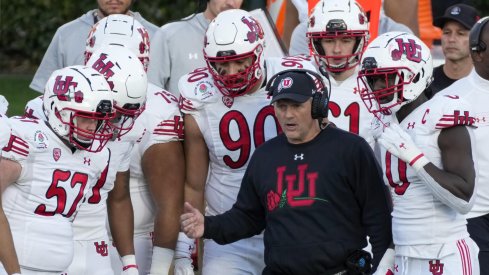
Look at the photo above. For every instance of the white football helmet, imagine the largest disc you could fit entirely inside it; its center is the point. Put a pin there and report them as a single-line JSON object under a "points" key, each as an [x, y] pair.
{"points": [[332, 19], [403, 65], [119, 29], [127, 79], [235, 35], [79, 93]]}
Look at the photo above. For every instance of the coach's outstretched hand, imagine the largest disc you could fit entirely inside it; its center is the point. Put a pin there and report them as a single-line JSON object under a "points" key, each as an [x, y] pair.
{"points": [[192, 221]]}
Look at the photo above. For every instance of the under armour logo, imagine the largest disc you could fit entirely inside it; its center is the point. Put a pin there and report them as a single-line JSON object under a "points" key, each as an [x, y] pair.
{"points": [[101, 248], [301, 156], [86, 160], [436, 268], [411, 125], [402, 146], [192, 56]]}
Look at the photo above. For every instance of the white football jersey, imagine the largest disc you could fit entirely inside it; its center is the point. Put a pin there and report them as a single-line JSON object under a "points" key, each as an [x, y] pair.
{"points": [[4, 131], [474, 89], [34, 108], [53, 183], [347, 110], [90, 221], [419, 218], [161, 122], [232, 127]]}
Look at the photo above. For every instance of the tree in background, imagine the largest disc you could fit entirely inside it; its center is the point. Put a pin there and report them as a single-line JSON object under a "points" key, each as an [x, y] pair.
{"points": [[27, 27]]}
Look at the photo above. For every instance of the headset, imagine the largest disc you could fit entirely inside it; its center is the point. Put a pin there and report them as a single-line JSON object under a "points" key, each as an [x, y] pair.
{"points": [[320, 98], [475, 42]]}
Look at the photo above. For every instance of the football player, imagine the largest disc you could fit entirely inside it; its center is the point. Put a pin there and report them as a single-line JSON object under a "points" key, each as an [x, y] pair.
{"points": [[227, 114], [118, 48], [8, 257], [49, 167], [338, 32], [426, 157]]}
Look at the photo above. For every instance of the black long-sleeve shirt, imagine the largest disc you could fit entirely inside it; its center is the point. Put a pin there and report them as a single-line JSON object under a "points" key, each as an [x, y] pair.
{"points": [[317, 202]]}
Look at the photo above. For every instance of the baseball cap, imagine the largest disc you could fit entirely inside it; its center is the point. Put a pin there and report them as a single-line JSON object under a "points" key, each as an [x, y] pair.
{"points": [[294, 85], [461, 13]]}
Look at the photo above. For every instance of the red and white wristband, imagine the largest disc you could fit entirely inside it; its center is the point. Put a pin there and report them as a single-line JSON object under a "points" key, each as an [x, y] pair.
{"points": [[419, 162], [129, 261]]}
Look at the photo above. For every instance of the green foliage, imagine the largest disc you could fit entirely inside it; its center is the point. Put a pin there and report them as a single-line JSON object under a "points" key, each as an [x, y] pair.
{"points": [[482, 6], [27, 26]]}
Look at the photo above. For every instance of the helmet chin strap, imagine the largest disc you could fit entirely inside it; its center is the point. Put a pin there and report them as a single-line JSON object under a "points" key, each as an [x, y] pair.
{"points": [[81, 143]]}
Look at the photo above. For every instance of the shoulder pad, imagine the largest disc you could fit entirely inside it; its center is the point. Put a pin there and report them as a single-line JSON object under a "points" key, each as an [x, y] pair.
{"points": [[196, 89]]}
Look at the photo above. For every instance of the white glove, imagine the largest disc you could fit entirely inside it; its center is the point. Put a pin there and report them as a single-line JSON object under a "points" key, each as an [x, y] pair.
{"points": [[183, 266], [376, 127], [386, 265], [129, 266], [183, 253], [400, 144]]}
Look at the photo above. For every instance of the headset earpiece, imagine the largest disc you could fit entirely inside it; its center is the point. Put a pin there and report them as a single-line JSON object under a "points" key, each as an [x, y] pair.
{"points": [[319, 107], [320, 98], [475, 42]]}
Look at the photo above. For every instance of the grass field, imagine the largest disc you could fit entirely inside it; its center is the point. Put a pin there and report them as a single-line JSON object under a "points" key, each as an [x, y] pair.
{"points": [[16, 89]]}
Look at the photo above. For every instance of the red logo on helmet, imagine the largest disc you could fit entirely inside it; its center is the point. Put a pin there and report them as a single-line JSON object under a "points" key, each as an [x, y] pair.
{"points": [[78, 96], [104, 69], [256, 32], [144, 45], [361, 19], [312, 21], [410, 49], [91, 42], [61, 87], [91, 37]]}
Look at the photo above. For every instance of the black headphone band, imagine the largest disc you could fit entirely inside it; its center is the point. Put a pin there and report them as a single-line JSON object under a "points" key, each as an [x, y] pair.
{"points": [[320, 98], [475, 42], [316, 77]]}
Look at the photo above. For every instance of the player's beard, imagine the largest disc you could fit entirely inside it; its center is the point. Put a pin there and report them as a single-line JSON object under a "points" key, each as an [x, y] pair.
{"points": [[106, 13]]}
